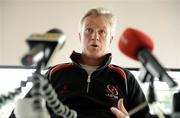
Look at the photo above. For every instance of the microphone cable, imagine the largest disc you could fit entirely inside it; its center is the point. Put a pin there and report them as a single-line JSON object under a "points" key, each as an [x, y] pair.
{"points": [[53, 102], [48, 92], [11, 95]]}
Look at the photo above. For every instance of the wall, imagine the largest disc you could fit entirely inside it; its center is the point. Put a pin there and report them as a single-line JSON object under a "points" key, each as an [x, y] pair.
{"points": [[157, 18], [178, 37], [1, 25]]}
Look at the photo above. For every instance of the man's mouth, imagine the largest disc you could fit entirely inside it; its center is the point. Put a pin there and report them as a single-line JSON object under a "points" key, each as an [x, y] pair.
{"points": [[94, 45]]}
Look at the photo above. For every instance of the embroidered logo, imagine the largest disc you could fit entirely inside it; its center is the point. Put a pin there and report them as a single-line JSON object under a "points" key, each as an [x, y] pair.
{"points": [[64, 89], [111, 92]]}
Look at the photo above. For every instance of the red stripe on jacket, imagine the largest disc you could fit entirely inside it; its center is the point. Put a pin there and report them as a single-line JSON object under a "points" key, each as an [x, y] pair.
{"points": [[118, 70], [59, 67]]}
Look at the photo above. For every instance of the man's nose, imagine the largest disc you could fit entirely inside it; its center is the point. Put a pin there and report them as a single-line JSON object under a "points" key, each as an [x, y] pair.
{"points": [[95, 35]]}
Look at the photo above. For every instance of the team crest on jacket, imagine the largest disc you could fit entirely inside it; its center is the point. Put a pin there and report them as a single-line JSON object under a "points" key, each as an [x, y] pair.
{"points": [[111, 92]]}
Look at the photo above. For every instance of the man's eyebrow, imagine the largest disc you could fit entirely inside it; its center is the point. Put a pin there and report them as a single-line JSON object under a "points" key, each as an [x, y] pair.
{"points": [[87, 25]]}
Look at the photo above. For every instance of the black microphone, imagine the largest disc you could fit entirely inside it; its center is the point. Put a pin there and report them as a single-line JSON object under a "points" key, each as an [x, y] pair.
{"points": [[176, 105], [42, 46]]}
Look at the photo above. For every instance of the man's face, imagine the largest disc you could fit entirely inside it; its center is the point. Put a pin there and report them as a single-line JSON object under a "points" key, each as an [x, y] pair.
{"points": [[95, 36]]}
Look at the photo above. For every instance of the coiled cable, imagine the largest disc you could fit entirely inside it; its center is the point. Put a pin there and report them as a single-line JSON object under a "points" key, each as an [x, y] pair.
{"points": [[11, 95], [54, 103]]}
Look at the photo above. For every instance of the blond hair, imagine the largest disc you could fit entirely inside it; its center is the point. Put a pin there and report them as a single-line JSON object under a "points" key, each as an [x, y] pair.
{"points": [[100, 12]]}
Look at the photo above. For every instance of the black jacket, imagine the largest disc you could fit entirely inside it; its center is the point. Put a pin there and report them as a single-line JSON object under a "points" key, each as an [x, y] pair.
{"points": [[107, 85], [93, 99]]}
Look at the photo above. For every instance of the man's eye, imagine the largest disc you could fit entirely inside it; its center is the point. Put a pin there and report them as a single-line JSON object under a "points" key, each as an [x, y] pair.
{"points": [[89, 30], [102, 32]]}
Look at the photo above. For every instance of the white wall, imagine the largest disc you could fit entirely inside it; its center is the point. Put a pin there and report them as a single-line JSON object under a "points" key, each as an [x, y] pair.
{"points": [[157, 18], [1, 11], [178, 37]]}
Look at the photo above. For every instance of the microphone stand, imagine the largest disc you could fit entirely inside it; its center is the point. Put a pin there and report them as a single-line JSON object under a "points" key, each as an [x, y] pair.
{"points": [[145, 76], [41, 87], [36, 104]]}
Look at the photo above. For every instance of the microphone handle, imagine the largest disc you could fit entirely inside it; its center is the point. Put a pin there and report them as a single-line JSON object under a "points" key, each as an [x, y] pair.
{"points": [[154, 67], [37, 54]]}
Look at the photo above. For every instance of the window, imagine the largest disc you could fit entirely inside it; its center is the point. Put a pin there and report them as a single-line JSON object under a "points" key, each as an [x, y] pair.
{"points": [[12, 76]]}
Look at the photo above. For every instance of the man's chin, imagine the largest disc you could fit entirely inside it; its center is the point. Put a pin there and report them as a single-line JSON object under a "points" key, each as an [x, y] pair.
{"points": [[95, 55]]}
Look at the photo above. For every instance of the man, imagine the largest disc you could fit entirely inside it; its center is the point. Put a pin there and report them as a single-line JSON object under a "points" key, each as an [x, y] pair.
{"points": [[90, 84]]}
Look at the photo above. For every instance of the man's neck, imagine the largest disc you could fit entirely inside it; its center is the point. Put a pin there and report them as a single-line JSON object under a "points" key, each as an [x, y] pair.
{"points": [[91, 61]]}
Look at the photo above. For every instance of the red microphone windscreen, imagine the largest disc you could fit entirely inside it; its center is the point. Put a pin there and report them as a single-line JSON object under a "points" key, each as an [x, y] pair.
{"points": [[132, 41]]}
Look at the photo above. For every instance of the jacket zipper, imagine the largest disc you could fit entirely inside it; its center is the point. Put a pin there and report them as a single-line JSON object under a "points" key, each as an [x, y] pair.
{"points": [[88, 83]]}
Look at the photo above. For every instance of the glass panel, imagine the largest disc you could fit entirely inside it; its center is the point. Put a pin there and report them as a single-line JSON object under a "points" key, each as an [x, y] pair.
{"points": [[11, 78]]}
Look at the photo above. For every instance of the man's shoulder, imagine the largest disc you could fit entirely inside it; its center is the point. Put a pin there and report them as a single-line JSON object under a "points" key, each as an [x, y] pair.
{"points": [[125, 72], [120, 70], [59, 67]]}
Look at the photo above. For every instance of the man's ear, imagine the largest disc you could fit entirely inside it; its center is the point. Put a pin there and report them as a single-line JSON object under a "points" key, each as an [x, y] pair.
{"points": [[112, 37], [79, 36]]}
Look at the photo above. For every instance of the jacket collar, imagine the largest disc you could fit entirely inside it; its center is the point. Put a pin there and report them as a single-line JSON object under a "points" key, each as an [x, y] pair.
{"points": [[75, 57]]}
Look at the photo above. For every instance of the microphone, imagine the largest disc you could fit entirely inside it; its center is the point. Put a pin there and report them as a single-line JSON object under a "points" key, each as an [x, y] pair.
{"points": [[176, 105], [42, 46], [138, 46]]}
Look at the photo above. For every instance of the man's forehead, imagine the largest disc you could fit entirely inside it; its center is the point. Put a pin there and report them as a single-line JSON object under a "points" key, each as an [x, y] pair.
{"points": [[95, 21]]}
